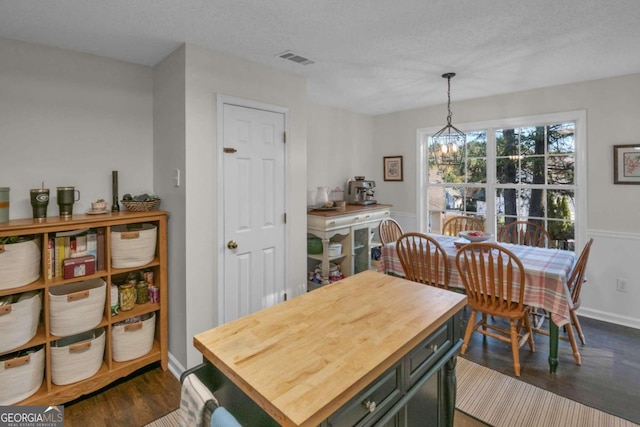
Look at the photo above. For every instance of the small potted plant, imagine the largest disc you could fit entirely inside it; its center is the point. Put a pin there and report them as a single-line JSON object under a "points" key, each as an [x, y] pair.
{"points": [[99, 205]]}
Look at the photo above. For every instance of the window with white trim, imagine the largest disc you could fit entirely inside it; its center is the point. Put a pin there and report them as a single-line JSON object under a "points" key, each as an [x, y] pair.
{"points": [[528, 168]]}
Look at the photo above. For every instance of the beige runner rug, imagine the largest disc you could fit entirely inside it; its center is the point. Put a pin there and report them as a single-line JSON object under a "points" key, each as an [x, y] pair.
{"points": [[503, 401], [172, 419]]}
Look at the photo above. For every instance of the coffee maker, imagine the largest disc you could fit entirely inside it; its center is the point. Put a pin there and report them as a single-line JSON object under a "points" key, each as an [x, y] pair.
{"points": [[360, 191]]}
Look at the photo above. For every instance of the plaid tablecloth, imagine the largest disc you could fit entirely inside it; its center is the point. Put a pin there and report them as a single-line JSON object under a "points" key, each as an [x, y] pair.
{"points": [[547, 272]]}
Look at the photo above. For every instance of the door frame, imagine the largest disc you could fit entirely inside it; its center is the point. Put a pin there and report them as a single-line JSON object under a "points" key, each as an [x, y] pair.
{"points": [[221, 101]]}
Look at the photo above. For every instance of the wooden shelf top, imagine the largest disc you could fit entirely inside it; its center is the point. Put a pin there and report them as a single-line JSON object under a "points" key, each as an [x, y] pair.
{"points": [[350, 210], [303, 359], [53, 223]]}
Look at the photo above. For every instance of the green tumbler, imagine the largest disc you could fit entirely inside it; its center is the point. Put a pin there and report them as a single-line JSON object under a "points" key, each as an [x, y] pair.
{"points": [[4, 204]]}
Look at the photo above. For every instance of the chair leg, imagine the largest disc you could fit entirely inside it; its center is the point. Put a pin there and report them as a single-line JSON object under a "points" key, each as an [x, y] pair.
{"points": [[576, 323], [484, 326], [515, 349], [574, 346], [538, 315], [468, 331], [527, 324]]}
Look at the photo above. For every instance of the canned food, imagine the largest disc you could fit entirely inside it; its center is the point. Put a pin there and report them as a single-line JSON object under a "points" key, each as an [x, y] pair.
{"points": [[127, 297], [142, 292], [154, 294], [147, 275]]}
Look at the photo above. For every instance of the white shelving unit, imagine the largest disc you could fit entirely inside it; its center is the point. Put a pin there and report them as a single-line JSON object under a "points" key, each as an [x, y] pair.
{"points": [[354, 227]]}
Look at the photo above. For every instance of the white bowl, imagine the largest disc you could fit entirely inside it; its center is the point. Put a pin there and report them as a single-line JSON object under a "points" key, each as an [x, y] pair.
{"points": [[475, 236]]}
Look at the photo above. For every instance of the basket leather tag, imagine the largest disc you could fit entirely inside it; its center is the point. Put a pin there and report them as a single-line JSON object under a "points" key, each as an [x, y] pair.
{"points": [[5, 309], [18, 361], [130, 235], [78, 295], [81, 346], [133, 327]]}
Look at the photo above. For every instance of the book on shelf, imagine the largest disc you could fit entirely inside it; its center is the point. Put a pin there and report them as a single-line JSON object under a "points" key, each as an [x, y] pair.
{"points": [[101, 241], [50, 266], [67, 244], [92, 245], [78, 246], [58, 255]]}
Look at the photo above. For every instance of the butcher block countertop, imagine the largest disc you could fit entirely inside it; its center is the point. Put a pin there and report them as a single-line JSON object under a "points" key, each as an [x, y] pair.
{"points": [[303, 359], [349, 210]]}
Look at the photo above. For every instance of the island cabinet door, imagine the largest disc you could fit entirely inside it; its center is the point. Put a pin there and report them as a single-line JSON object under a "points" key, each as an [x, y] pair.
{"points": [[425, 408], [372, 403]]}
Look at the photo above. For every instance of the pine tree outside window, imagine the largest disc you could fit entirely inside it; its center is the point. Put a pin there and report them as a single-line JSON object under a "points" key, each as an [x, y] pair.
{"points": [[513, 169]]}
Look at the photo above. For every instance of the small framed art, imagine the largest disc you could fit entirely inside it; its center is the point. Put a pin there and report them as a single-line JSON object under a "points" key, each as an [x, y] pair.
{"points": [[393, 168], [626, 164]]}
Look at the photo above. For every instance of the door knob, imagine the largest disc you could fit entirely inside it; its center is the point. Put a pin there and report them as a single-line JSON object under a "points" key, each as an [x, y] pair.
{"points": [[232, 244]]}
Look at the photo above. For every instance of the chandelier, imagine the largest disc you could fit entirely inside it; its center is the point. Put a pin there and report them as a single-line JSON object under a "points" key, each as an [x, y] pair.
{"points": [[448, 142]]}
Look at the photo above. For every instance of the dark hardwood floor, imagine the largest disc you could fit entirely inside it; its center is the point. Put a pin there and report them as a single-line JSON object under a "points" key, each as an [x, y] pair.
{"points": [[134, 401], [607, 379]]}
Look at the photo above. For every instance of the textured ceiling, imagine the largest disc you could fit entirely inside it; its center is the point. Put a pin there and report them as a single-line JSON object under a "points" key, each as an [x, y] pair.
{"points": [[372, 56]]}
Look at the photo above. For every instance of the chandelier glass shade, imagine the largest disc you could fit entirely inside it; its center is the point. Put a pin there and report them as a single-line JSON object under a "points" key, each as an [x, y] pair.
{"points": [[448, 143]]}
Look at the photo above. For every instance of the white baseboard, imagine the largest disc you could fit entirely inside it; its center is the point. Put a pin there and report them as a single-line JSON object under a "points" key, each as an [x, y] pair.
{"points": [[175, 367], [609, 317]]}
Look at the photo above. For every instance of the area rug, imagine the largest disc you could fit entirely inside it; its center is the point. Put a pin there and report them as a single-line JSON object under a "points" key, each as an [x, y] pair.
{"points": [[502, 401], [172, 419]]}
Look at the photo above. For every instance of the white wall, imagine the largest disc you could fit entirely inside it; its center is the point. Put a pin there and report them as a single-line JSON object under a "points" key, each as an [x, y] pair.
{"points": [[339, 147], [208, 74], [69, 119], [612, 110], [169, 154]]}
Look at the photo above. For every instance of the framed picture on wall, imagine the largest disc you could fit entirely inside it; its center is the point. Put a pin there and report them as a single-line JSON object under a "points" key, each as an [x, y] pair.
{"points": [[393, 168], [626, 164]]}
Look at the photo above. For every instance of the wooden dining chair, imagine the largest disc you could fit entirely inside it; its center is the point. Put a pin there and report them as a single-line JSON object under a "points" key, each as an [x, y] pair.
{"points": [[389, 230], [575, 282], [494, 280], [525, 233], [423, 260], [456, 224]]}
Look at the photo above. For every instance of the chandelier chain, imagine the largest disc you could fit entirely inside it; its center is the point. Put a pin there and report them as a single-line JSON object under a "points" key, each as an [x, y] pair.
{"points": [[449, 115]]}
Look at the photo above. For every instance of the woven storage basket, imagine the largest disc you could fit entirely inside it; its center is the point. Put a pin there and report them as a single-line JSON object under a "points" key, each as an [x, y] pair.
{"points": [[19, 321], [76, 307], [132, 340], [20, 376], [133, 247], [78, 357], [19, 263], [148, 205]]}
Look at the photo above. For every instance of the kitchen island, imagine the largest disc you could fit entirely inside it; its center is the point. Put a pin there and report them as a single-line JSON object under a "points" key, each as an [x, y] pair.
{"points": [[368, 350]]}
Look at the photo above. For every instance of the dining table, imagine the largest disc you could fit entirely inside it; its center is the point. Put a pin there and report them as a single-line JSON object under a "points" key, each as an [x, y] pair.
{"points": [[546, 274]]}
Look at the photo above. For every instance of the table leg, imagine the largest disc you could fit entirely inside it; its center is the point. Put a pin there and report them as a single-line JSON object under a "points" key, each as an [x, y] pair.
{"points": [[325, 261], [450, 388], [553, 346]]}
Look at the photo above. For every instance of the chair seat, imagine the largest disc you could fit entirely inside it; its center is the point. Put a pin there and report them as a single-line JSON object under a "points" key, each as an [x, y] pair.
{"points": [[506, 309]]}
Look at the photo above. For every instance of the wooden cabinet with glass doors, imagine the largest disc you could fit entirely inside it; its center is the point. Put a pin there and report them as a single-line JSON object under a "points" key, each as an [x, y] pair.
{"points": [[354, 228]]}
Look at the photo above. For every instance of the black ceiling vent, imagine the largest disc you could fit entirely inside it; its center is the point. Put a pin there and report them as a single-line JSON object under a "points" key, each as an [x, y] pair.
{"points": [[294, 57]]}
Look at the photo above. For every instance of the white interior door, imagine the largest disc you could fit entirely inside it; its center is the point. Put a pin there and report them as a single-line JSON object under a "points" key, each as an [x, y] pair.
{"points": [[254, 210]]}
